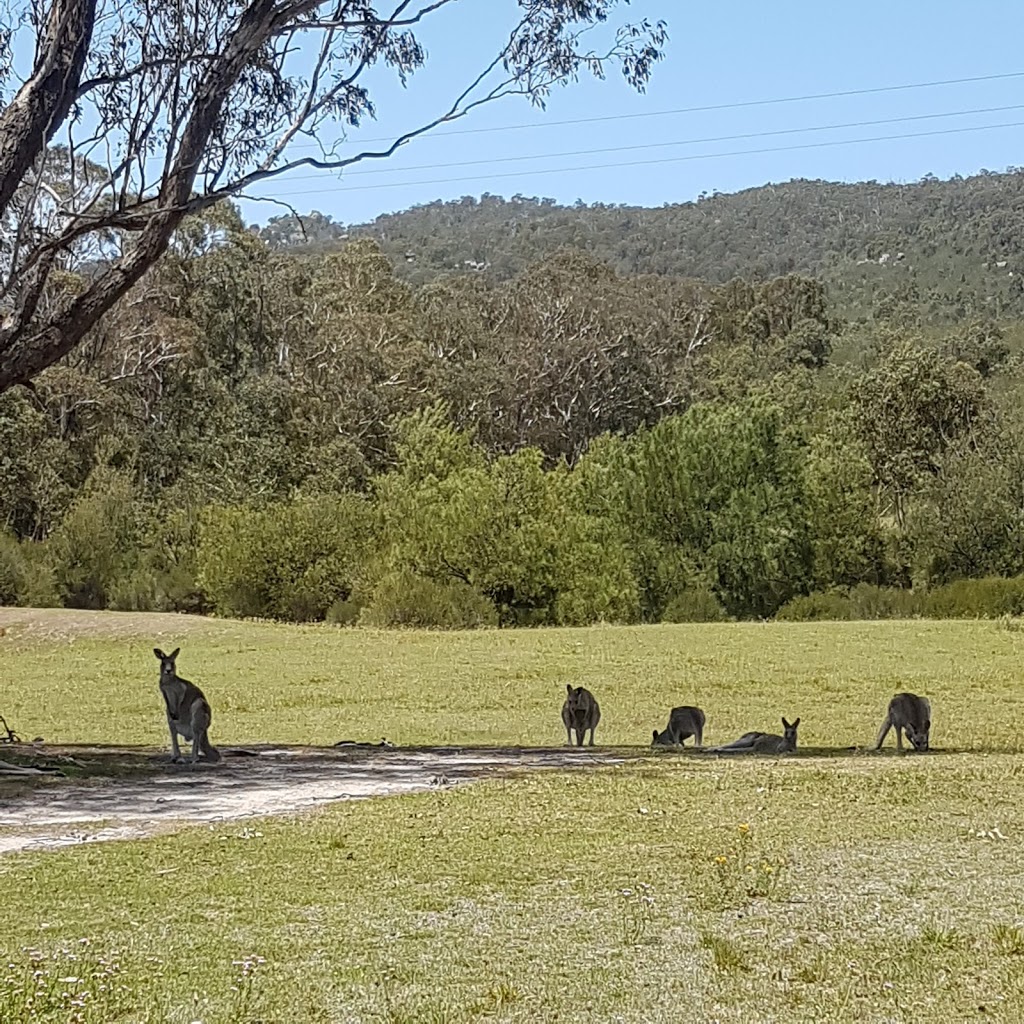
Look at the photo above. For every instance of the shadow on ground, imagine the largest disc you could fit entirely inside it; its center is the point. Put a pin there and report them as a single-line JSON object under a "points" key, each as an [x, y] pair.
{"points": [[107, 792], [137, 792]]}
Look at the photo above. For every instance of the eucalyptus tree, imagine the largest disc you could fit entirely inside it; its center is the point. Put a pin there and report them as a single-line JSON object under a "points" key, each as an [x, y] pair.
{"points": [[120, 118]]}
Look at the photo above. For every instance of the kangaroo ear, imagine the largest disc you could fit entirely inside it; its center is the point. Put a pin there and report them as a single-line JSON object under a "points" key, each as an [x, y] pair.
{"points": [[160, 654], [795, 724], [568, 687], [785, 724], [174, 653], [655, 733]]}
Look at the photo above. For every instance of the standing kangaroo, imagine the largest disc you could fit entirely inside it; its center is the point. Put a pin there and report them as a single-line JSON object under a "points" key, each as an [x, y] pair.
{"points": [[188, 710], [910, 714], [762, 742], [682, 723], [580, 712]]}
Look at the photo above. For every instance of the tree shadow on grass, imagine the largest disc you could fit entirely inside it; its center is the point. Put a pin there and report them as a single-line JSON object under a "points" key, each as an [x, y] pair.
{"points": [[111, 792], [830, 753]]}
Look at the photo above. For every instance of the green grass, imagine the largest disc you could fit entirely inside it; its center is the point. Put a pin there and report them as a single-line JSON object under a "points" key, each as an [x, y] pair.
{"points": [[309, 684], [895, 888]]}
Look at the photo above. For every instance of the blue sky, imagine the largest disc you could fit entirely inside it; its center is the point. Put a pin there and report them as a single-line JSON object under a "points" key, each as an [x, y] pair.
{"points": [[733, 51], [718, 53]]}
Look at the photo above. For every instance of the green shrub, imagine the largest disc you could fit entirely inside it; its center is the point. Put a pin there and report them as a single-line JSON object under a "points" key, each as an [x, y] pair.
{"points": [[987, 598], [871, 602], [12, 570], [38, 583], [96, 548], [405, 599], [695, 605], [343, 613], [290, 560], [830, 606], [863, 602], [171, 565], [136, 592]]}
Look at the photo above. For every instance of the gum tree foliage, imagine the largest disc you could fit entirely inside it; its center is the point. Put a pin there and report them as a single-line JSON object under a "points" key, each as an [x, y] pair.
{"points": [[909, 409], [130, 116], [503, 527], [710, 500]]}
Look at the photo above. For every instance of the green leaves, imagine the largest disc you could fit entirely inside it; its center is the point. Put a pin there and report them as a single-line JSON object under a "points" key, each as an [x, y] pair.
{"points": [[713, 498]]}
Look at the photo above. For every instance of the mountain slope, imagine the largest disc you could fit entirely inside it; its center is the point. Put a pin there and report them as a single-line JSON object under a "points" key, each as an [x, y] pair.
{"points": [[961, 240]]}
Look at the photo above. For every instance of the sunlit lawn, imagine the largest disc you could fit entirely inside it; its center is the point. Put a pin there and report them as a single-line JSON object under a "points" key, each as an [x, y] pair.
{"points": [[880, 888]]}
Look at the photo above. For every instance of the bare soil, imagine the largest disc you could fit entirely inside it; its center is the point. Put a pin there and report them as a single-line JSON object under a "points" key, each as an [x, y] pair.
{"points": [[130, 793], [61, 624]]}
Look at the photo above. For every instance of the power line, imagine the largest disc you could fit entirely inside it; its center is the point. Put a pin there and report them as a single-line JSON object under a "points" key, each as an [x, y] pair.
{"points": [[664, 145], [709, 107], [646, 163]]}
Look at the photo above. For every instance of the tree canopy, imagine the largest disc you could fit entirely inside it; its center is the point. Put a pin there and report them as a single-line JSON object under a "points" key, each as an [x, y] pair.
{"points": [[131, 116]]}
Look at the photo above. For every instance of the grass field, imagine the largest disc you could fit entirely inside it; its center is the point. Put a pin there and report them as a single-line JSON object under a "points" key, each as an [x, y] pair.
{"points": [[854, 887]]}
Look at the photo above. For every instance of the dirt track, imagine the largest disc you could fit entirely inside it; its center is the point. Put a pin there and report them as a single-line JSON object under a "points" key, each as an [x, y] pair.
{"points": [[156, 796]]}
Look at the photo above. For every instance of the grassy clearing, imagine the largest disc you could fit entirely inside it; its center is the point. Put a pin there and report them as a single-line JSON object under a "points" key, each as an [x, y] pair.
{"points": [[879, 888], [616, 894], [313, 684]]}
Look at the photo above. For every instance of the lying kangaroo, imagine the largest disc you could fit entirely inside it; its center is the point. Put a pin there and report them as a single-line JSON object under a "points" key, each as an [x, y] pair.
{"points": [[188, 711], [762, 742], [910, 714], [682, 723], [580, 712]]}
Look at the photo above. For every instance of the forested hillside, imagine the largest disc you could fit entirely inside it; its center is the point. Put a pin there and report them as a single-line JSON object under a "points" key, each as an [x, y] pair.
{"points": [[953, 248], [309, 432]]}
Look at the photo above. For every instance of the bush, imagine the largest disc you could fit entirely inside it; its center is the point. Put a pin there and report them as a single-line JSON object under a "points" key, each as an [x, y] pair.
{"points": [[871, 602], [405, 599], [987, 598], [696, 605], [38, 584], [990, 598], [291, 560], [863, 602], [96, 548], [830, 606], [12, 570], [343, 613]]}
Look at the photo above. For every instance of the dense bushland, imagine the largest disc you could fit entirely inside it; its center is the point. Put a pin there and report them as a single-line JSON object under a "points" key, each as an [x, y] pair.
{"points": [[302, 435]]}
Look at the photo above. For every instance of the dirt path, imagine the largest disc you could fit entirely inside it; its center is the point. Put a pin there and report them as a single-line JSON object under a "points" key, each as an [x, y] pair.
{"points": [[158, 797]]}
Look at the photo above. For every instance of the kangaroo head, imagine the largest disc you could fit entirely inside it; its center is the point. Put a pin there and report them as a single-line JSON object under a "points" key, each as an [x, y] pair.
{"points": [[167, 666], [660, 739], [790, 728], [918, 737]]}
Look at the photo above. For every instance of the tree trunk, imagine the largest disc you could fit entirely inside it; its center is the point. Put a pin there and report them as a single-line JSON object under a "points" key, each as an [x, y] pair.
{"points": [[43, 102]]}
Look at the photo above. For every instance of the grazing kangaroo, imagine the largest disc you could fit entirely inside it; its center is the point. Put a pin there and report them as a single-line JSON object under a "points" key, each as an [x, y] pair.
{"points": [[762, 742], [580, 712], [188, 710], [682, 723], [910, 714]]}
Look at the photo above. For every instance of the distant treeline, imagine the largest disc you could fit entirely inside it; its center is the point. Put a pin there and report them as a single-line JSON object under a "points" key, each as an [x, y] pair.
{"points": [[260, 432], [952, 249]]}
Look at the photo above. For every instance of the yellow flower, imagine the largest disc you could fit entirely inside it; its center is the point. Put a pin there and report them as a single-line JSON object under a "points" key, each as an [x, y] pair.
{"points": [[743, 829], [721, 860]]}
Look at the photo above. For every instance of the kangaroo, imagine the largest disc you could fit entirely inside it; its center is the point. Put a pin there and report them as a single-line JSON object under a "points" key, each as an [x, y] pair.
{"points": [[188, 711], [762, 742], [682, 723], [580, 712], [910, 714]]}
